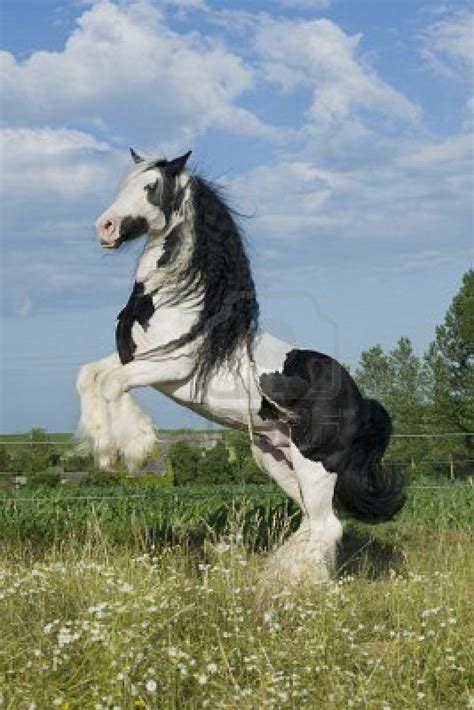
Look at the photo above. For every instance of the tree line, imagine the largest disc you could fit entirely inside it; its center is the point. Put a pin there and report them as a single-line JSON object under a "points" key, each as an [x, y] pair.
{"points": [[432, 394]]}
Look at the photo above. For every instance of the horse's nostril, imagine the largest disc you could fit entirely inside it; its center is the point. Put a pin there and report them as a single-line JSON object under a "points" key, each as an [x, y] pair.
{"points": [[108, 226]]}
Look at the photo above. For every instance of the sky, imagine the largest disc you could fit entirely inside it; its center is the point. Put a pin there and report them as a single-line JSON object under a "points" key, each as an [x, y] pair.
{"points": [[342, 129]]}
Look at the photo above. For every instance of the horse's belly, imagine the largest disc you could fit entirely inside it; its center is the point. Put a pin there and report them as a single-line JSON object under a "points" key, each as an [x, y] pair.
{"points": [[232, 397]]}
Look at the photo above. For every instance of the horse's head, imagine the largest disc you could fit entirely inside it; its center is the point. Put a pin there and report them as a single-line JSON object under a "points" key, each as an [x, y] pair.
{"points": [[146, 201]]}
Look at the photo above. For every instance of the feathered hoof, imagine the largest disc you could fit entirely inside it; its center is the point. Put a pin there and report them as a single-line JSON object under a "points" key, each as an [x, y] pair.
{"points": [[139, 450], [108, 461], [301, 560]]}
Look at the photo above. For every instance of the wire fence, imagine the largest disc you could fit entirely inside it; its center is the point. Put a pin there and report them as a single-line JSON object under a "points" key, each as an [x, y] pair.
{"points": [[450, 465], [146, 496], [6, 441]]}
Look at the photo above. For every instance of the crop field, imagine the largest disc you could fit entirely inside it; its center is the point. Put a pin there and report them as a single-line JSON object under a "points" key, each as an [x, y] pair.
{"points": [[111, 598]]}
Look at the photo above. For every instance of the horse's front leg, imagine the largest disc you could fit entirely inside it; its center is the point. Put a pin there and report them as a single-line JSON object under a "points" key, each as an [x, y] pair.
{"points": [[132, 429], [94, 431]]}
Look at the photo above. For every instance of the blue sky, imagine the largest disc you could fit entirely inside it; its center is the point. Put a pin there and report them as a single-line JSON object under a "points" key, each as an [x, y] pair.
{"points": [[343, 127]]}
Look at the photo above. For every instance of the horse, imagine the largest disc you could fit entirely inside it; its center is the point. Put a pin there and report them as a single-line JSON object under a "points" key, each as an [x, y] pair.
{"points": [[190, 330]]}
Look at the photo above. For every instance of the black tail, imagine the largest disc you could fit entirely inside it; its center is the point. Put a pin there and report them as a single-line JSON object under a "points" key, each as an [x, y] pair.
{"points": [[365, 489]]}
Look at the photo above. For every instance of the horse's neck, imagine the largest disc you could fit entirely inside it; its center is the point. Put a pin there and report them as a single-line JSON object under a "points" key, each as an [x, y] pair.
{"points": [[157, 278], [147, 264]]}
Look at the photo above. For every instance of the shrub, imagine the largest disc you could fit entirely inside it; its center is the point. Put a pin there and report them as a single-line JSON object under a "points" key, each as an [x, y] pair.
{"points": [[102, 478], [215, 466], [49, 478], [183, 461], [76, 462], [150, 481]]}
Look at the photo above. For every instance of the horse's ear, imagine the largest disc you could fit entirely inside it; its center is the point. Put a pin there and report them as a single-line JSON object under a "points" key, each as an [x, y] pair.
{"points": [[174, 167], [136, 158]]}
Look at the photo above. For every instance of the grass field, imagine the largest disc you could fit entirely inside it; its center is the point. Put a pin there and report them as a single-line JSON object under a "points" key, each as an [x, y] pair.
{"points": [[158, 602]]}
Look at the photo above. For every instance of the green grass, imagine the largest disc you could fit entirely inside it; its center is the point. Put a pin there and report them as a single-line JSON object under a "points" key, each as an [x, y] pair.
{"points": [[42, 517], [26, 437], [158, 602], [90, 626]]}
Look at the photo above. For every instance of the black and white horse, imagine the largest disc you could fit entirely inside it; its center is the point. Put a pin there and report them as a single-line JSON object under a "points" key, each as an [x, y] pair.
{"points": [[190, 330]]}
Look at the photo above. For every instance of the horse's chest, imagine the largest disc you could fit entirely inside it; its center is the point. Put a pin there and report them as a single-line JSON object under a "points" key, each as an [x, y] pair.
{"points": [[139, 309]]}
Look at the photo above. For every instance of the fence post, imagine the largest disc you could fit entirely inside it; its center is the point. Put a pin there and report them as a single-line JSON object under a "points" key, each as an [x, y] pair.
{"points": [[451, 467]]}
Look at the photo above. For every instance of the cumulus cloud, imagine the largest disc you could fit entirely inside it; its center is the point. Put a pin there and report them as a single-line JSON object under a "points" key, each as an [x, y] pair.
{"points": [[413, 209], [306, 4], [448, 45], [54, 184], [319, 56], [341, 188], [124, 69], [62, 172]]}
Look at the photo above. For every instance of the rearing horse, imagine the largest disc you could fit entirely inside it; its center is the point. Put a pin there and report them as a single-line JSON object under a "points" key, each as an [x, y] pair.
{"points": [[190, 330]]}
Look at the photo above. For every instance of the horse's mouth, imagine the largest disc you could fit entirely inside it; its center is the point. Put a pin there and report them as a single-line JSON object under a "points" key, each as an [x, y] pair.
{"points": [[112, 245]]}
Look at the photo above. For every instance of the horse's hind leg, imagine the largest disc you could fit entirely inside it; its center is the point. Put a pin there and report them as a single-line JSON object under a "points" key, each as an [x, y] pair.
{"points": [[273, 463], [317, 491], [309, 553], [281, 562]]}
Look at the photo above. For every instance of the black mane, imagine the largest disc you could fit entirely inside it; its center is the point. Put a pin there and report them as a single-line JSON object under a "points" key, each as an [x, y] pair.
{"points": [[220, 266]]}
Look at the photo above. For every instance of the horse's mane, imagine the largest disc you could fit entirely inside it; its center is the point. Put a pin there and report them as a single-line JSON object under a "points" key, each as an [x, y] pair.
{"points": [[219, 269]]}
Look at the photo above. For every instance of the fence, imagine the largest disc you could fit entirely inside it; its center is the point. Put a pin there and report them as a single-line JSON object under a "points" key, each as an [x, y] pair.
{"points": [[450, 467]]}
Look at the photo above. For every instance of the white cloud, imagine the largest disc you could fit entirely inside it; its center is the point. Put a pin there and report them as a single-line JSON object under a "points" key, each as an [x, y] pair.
{"points": [[413, 209], [320, 56], [59, 170], [123, 68], [187, 4], [306, 4], [366, 197], [448, 45]]}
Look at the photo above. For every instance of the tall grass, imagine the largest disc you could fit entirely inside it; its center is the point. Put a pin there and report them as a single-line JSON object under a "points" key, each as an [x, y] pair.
{"points": [[96, 626], [99, 611], [46, 516]]}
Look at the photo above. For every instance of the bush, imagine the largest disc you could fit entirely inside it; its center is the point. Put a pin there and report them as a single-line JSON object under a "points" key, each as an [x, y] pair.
{"points": [[102, 478], [245, 468], [76, 462], [183, 461], [5, 459], [150, 481], [49, 478], [215, 466]]}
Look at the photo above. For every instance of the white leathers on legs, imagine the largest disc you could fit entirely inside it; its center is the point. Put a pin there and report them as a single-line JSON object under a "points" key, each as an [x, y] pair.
{"points": [[95, 431], [324, 529], [277, 468], [112, 424], [311, 551]]}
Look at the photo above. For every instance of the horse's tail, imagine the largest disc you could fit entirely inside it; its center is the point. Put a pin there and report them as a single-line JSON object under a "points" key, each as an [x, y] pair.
{"points": [[365, 489]]}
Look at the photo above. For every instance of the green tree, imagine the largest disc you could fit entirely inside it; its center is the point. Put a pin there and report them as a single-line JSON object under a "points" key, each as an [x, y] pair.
{"points": [[215, 466], [398, 380], [4, 458], [375, 375], [451, 359], [240, 454], [184, 460], [450, 365]]}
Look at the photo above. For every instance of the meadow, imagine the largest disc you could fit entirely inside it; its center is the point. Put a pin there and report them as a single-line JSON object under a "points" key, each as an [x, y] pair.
{"points": [[112, 601]]}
